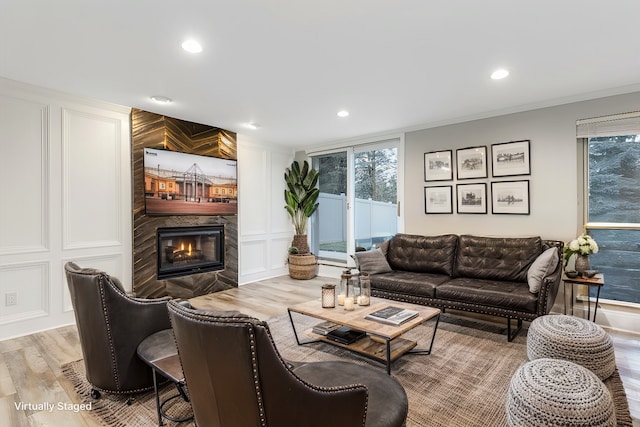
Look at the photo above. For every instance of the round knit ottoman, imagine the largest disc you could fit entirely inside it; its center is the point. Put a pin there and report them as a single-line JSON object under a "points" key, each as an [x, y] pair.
{"points": [[554, 392], [574, 339]]}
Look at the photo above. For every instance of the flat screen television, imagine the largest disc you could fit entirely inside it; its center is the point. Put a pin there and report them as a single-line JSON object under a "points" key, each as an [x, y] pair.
{"points": [[189, 184]]}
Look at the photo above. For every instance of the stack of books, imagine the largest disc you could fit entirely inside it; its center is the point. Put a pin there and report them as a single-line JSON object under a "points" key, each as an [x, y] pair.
{"points": [[324, 328], [345, 335], [392, 315]]}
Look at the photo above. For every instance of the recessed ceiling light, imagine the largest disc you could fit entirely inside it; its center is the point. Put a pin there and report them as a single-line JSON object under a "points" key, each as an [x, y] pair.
{"points": [[499, 74], [192, 46], [343, 113], [252, 126], [161, 99]]}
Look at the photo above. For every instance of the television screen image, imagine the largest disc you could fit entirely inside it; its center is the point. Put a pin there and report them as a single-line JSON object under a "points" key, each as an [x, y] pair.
{"points": [[189, 184]]}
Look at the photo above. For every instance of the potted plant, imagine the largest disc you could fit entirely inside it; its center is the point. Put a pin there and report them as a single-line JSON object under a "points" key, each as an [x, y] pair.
{"points": [[301, 198]]}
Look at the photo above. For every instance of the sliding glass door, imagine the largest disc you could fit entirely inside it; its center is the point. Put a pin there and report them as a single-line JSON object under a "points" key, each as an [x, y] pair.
{"points": [[329, 224], [358, 199], [376, 195]]}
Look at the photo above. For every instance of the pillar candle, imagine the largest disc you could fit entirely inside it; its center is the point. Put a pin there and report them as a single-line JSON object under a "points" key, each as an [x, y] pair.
{"points": [[348, 303]]}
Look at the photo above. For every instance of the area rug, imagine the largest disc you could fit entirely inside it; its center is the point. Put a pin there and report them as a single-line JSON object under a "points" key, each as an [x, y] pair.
{"points": [[463, 382]]}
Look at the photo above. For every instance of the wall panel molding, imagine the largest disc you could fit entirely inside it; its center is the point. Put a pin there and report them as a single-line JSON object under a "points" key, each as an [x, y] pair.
{"points": [[29, 283], [25, 124], [91, 188], [265, 228], [40, 225]]}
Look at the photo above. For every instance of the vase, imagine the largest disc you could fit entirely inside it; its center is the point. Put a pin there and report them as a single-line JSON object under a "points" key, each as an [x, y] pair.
{"points": [[582, 263]]}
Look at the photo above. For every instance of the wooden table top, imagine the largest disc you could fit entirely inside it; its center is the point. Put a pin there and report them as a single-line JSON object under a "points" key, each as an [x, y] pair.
{"points": [[597, 280], [356, 318]]}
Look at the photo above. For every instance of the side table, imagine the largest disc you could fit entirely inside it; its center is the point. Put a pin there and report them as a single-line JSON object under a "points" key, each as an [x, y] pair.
{"points": [[159, 351], [597, 280]]}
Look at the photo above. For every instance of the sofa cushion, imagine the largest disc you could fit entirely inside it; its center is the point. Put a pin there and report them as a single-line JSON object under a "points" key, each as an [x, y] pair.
{"points": [[424, 254], [420, 284], [372, 262], [492, 293], [496, 258], [543, 266]]}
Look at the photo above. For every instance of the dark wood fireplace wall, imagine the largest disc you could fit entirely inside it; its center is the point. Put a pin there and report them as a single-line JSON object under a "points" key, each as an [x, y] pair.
{"points": [[149, 130]]}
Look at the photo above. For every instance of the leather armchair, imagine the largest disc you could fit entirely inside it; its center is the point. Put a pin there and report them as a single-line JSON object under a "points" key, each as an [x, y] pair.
{"points": [[110, 327], [237, 378]]}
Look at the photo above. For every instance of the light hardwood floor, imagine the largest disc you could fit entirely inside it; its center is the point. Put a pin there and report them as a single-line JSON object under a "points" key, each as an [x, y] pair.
{"points": [[31, 366]]}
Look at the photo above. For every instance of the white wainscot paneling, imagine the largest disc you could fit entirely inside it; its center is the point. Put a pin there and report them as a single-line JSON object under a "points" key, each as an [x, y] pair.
{"points": [[253, 256], [280, 251], [24, 170], [24, 291], [110, 264], [280, 219], [253, 192], [91, 180]]}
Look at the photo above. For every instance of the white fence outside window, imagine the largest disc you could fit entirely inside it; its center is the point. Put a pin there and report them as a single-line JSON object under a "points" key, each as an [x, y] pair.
{"points": [[374, 221]]}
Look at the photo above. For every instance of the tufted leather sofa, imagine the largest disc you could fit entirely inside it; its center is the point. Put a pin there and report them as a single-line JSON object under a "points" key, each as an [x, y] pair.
{"points": [[471, 273]]}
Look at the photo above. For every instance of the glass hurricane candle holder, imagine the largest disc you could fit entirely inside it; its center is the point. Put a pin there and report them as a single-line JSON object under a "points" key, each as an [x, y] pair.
{"points": [[354, 286], [343, 289], [365, 290], [328, 296]]}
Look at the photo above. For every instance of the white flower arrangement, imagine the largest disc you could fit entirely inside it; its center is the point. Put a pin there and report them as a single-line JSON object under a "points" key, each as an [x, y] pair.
{"points": [[583, 245]]}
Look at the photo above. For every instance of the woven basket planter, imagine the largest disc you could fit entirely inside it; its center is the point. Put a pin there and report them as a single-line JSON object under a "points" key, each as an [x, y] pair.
{"points": [[303, 267]]}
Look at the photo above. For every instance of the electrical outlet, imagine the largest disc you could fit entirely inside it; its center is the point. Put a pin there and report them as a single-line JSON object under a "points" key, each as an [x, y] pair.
{"points": [[10, 298]]}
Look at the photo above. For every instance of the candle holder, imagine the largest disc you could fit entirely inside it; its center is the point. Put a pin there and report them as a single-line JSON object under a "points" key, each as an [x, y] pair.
{"points": [[365, 289], [344, 289], [328, 296]]}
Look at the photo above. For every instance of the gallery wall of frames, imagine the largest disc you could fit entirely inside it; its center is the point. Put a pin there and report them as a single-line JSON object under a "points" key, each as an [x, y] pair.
{"points": [[471, 190]]}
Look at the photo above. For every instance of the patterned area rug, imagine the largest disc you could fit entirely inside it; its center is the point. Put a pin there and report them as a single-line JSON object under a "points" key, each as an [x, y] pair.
{"points": [[463, 383]]}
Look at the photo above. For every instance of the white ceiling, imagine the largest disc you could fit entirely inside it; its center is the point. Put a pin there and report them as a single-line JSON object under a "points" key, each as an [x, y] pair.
{"points": [[290, 65]]}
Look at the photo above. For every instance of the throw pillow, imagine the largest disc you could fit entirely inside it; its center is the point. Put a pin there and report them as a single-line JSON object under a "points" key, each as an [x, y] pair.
{"points": [[384, 246], [541, 268], [372, 262]]}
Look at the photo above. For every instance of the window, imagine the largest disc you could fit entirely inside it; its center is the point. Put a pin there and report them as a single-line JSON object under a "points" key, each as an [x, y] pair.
{"points": [[612, 201]]}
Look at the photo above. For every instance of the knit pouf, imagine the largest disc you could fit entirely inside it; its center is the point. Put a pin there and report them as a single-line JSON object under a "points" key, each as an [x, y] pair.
{"points": [[553, 392], [574, 339]]}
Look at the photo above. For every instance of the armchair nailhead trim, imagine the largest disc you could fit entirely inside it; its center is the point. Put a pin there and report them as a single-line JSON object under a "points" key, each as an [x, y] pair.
{"points": [[112, 350], [256, 376]]}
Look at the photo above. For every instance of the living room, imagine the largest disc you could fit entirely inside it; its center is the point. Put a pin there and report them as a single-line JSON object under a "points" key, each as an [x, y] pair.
{"points": [[62, 215]]}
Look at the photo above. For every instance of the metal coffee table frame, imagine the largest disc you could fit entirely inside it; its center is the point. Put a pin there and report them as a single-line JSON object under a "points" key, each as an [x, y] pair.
{"points": [[386, 335]]}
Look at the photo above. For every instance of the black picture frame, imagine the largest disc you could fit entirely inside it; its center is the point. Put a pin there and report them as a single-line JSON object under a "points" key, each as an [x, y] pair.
{"points": [[438, 165], [510, 197], [510, 158], [438, 199], [471, 198], [471, 162]]}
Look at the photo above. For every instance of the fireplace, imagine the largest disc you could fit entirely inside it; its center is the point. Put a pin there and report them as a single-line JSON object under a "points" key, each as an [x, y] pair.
{"points": [[183, 251]]}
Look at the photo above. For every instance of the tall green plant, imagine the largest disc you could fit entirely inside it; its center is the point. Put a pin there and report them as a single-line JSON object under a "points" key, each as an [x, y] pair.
{"points": [[301, 194]]}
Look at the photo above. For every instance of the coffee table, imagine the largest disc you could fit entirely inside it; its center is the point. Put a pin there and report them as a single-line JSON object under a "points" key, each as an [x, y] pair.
{"points": [[383, 342]]}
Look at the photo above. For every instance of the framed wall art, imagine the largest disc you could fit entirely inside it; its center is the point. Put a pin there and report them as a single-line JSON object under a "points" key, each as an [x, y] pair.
{"points": [[510, 158], [471, 162], [437, 200], [510, 197], [437, 166], [472, 198]]}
